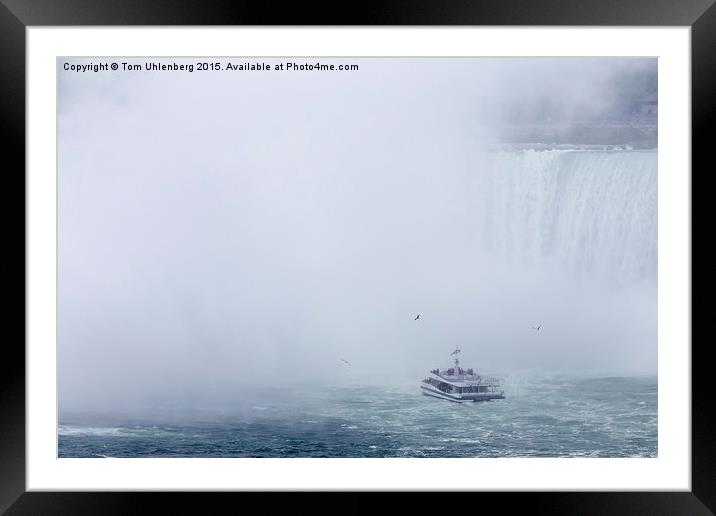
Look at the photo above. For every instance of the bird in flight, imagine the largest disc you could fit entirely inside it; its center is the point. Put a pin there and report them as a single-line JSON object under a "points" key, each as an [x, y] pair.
{"points": [[346, 361], [417, 317], [537, 328]]}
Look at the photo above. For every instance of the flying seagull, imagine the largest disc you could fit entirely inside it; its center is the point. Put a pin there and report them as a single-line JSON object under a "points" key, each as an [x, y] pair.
{"points": [[537, 328], [346, 361], [417, 317]]}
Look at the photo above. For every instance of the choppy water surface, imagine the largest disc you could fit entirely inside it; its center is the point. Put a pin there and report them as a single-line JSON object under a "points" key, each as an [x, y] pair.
{"points": [[550, 416]]}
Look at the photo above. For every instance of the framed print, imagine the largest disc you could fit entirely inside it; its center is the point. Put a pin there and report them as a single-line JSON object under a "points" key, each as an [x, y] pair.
{"points": [[410, 249]]}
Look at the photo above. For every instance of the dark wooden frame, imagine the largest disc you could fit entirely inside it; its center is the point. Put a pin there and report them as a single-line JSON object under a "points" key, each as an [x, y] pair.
{"points": [[16, 15]]}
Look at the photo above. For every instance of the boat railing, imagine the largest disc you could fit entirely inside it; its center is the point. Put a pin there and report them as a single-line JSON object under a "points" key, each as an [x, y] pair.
{"points": [[484, 380]]}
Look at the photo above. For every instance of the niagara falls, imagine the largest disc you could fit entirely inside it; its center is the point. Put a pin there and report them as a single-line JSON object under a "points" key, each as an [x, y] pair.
{"points": [[424, 257]]}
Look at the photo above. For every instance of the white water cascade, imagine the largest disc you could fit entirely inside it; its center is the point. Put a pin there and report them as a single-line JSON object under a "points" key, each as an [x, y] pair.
{"points": [[590, 213]]}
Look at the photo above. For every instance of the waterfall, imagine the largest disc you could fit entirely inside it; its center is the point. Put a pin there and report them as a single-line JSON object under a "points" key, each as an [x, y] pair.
{"points": [[590, 213]]}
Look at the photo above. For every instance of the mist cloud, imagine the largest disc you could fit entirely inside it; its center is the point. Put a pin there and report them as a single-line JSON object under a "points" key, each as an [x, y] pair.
{"points": [[216, 230]]}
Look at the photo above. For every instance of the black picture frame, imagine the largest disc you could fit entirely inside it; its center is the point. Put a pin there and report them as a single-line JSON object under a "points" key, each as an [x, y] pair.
{"points": [[17, 15]]}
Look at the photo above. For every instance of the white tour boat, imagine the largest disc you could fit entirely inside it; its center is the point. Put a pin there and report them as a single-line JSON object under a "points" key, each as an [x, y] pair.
{"points": [[460, 385]]}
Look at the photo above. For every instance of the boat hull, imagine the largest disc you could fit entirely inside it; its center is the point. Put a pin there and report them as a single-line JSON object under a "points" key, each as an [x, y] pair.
{"points": [[429, 390]]}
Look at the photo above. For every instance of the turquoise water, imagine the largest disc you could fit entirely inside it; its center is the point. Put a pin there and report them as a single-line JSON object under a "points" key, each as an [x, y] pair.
{"points": [[542, 416]]}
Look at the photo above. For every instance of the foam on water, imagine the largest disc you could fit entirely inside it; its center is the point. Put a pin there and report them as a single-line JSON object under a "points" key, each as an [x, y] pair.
{"points": [[569, 417]]}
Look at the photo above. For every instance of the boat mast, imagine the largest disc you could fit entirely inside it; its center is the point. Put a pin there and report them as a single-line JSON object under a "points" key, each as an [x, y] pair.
{"points": [[457, 360]]}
